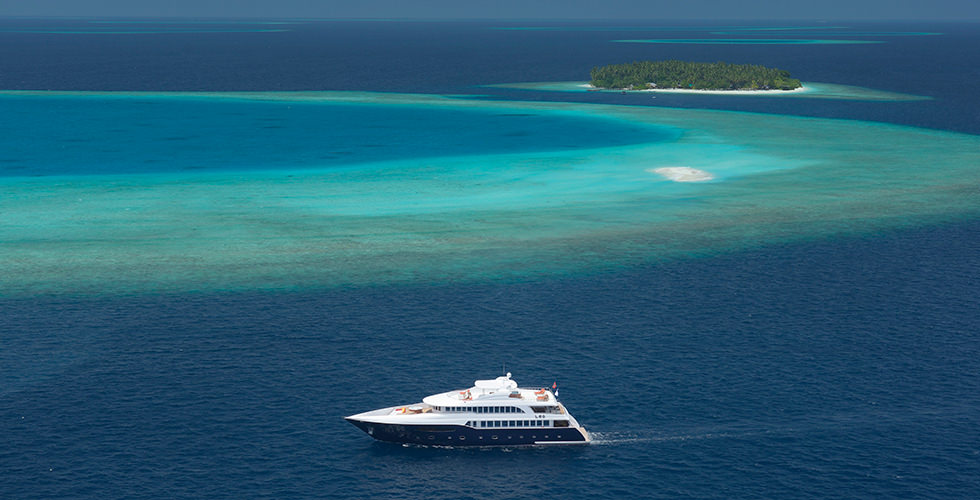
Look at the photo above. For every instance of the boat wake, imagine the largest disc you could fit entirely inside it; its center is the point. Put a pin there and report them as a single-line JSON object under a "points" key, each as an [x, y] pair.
{"points": [[617, 438]]}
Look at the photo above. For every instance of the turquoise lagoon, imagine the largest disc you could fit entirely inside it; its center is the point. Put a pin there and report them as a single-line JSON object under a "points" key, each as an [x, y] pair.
{"points": [[751, 41], [120, 193]]}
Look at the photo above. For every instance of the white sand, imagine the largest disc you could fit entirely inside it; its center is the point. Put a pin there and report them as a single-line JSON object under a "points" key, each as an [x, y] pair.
{"points": [[804, 88], [682, 174]]}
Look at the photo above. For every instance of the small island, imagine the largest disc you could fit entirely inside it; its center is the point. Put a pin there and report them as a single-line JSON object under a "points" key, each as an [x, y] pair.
{"points": [[654, 75]]}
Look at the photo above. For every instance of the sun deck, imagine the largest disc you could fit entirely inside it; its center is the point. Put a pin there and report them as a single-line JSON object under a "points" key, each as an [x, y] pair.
{"points": [[501, 391]]}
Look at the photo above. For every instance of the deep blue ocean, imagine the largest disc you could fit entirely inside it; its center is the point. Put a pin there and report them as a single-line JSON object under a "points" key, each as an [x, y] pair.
{"points": [[838, 367]]}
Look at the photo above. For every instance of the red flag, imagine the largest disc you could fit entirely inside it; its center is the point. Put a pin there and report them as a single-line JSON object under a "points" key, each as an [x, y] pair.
{"points": [[555, 385]]}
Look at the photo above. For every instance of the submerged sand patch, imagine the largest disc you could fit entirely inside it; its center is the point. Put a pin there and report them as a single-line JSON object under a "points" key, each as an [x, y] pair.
{"points": [[682, 174]]}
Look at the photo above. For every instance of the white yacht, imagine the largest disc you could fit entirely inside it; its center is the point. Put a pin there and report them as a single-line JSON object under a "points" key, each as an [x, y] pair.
{"points": [[491, 413]]}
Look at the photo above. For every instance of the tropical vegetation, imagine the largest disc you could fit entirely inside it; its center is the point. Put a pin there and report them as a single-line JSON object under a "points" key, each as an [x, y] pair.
{"points": [[691, 75]]}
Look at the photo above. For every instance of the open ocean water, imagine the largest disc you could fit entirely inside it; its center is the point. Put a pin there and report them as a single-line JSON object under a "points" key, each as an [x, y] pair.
{"points": [[783, 355]]}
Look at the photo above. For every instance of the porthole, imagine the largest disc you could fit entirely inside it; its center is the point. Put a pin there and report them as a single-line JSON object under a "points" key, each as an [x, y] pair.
{"points": [[462, 438], [493, 437]]}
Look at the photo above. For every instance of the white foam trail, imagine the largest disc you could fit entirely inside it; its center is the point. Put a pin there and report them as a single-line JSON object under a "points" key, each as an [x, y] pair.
{"points": [[614, 438]]}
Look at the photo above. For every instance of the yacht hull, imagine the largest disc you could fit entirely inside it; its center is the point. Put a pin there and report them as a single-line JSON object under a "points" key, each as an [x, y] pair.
{"points": [[461, 435]]}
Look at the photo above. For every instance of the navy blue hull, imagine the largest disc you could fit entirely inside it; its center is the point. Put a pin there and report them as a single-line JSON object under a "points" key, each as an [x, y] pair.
{"points": [[460, 435]]}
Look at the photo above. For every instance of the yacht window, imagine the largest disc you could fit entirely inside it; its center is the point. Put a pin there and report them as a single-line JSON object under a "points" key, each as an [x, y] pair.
{"points": [[561, 423], [539, 409]]}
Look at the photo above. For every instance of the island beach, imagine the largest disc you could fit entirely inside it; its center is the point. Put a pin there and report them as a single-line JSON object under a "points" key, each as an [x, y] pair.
{"points": [[798, 90]]}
